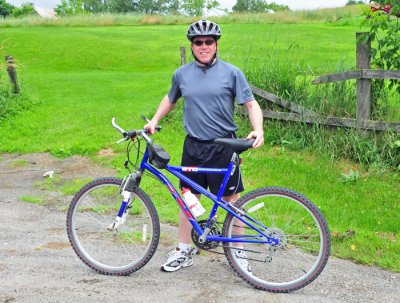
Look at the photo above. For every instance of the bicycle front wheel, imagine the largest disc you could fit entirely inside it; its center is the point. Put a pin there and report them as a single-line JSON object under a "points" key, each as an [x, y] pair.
{"points": [[108, 250], [303, 234]]}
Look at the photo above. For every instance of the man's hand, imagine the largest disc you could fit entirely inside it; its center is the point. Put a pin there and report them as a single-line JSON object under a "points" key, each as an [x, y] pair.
{"points": [[151, 126], [258, 136]]}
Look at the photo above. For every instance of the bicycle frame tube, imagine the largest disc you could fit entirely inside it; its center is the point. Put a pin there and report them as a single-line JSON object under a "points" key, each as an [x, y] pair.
{"points": [[217, 199]]}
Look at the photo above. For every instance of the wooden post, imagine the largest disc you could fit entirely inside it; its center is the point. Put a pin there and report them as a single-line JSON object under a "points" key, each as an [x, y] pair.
{"points": [[12, 73], [183, 55], [363, 61]]}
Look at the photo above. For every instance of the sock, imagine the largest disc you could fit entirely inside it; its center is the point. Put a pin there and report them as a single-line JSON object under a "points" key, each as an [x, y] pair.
{"points": [[184, 247], [239, 248]]}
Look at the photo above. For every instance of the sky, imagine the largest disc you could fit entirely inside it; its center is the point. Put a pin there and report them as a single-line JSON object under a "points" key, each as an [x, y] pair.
{"points": [[293, 4]]}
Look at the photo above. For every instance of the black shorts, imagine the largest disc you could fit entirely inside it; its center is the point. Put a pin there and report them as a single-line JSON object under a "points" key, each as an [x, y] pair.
{"points": [[206, 154]]}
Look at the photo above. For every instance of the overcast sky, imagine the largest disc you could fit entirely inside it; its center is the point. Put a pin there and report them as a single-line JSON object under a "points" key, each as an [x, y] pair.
{"points": [[293, 4]]}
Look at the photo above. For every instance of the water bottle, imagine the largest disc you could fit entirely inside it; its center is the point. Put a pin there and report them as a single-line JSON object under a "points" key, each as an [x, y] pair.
{"points": [[192, 202]]}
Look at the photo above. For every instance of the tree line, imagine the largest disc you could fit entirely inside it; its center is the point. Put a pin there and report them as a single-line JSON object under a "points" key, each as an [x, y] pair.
{"points": [[187, 7], [7, 9]]}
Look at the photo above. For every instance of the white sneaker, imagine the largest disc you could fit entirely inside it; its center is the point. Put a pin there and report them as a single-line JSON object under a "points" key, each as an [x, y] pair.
{"points": [[242, 260], [177, 259]]}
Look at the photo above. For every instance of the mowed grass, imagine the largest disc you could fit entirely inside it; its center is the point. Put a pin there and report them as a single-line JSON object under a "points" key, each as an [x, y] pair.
{"points": [[84, 76], [81, 77]]}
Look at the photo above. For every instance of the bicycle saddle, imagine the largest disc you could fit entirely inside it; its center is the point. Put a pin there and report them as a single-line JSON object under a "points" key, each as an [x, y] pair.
{"points": [[237, 145]]}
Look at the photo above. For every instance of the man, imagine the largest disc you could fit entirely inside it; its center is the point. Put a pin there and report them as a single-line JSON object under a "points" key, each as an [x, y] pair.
{"points": [[209, 87]]}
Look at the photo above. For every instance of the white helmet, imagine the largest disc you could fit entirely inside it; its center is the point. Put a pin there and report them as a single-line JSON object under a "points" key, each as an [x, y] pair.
{"points": [[203, 28]]}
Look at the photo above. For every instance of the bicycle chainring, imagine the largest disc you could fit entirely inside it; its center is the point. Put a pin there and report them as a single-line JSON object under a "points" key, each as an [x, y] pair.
{"points": [[207, 245]]}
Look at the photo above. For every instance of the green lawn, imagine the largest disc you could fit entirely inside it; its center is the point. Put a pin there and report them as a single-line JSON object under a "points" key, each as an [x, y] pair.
{"points": [[81, 77], [87, 75]]}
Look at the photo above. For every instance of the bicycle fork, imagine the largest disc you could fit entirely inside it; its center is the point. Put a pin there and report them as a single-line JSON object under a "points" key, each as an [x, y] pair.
{"points": [[123, 211], [129, 183]]}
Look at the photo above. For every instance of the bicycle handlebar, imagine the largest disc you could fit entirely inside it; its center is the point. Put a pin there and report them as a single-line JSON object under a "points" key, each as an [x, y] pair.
{"points": [[132, 133]]}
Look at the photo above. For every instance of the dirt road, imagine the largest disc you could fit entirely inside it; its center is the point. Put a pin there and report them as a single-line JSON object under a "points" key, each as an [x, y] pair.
{"points": [[37, 263]]}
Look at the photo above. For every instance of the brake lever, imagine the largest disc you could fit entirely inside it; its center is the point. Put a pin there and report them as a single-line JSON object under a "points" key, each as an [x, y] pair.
{"points": [[145, 118], [121, 140], [158, 127]]}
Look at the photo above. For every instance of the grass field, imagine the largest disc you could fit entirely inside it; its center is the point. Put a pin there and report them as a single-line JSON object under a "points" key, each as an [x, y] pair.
{"points": [[103, 71], [80, 77]]}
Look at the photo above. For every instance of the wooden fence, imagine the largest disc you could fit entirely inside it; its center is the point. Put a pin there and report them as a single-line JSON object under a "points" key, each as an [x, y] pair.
{"points": [[363, 74]]}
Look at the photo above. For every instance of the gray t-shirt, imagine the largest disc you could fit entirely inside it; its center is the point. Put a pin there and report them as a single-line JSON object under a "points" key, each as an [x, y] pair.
{"points": [[209, 96]]}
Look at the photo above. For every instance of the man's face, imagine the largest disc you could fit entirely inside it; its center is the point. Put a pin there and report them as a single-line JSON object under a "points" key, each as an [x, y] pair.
{"points": [[204, 48]]}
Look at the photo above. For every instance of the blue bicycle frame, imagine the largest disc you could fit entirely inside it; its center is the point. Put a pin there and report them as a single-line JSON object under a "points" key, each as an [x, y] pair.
{"points": [[262, 238]]}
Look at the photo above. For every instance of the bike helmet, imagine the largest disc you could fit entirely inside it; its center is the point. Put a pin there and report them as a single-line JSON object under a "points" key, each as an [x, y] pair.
{"points": [[203, 28]]}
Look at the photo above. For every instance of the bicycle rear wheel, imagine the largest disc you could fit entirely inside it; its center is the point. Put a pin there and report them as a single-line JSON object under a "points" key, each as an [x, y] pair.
{"points": [[303, 234], [111, 251]]}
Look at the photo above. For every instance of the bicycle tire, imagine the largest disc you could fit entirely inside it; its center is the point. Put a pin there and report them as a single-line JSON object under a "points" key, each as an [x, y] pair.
{"points": [[108, 251], [304, 236]]}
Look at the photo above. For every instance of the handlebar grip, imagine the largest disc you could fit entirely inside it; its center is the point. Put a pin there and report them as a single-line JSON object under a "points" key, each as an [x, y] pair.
{"points": [[130, 134]]}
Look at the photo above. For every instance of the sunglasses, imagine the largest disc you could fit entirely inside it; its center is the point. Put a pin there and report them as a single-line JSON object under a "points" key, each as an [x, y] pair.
{"points": [[206, 42]]}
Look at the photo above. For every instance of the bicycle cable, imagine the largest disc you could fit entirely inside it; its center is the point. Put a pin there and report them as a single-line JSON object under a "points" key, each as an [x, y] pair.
{"points": [[136, 144]]}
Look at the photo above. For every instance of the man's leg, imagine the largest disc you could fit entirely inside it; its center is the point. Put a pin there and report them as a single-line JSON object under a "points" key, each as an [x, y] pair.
{"points": [[185, 227], [238, 229], [179, 257]]}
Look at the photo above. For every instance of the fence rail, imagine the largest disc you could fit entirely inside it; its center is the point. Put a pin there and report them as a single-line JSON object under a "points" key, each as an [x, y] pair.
{"points": [[358, 74]]}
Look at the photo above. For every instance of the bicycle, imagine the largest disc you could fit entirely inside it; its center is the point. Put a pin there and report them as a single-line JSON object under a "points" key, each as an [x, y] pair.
{"points": [[284, 235]]}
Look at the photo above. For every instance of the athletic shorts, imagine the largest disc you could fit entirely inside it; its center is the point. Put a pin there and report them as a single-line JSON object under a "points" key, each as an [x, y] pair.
{"points": [[206, 154]]}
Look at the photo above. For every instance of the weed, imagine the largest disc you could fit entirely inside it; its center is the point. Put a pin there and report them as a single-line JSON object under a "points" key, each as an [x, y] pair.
{"points": [[49, 184], [345, 15], [352, 176], [72, 187], [32, 200], [19, 163]]}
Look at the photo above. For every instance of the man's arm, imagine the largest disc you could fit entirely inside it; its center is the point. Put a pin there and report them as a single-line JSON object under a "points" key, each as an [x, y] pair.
{"points": [[256, 120], [164, 108]]}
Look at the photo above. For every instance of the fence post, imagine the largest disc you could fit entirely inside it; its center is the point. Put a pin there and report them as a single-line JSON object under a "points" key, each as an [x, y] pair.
{"points": [[12, 73], [363, 61], [183, 55]]}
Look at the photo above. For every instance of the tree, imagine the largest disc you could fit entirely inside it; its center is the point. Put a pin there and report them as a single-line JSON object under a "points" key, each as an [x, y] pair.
{"points": [[96, 6], [385, 32], [278, 7], [173, 6], [146, 6], [250, 6], [210, 4], [193, 7], [354, 2], [70, 8], [123, 6], [243, 6], [25, 10], [5, 8]]}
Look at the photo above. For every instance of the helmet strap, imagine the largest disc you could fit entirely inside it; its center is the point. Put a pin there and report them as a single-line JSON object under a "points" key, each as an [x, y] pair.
{"points": [[208, 64]]}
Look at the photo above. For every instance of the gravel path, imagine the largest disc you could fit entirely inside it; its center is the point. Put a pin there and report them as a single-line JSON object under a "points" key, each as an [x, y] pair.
{"points": [[37, 263]]}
